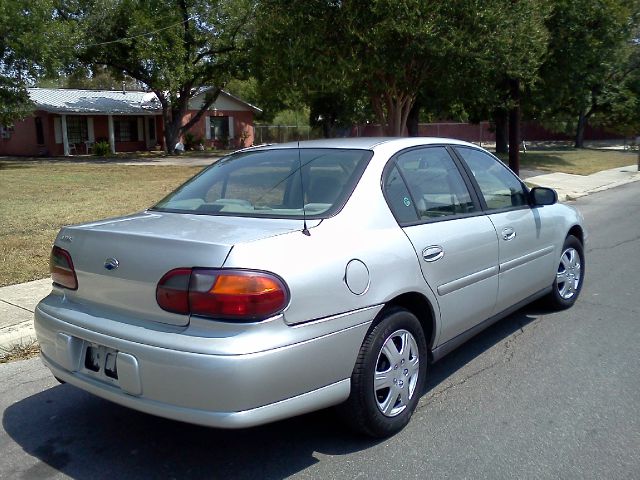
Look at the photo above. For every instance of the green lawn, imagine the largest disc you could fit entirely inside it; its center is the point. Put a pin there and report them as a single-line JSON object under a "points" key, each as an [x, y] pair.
{"points": [[37, 198], [580, 162]]}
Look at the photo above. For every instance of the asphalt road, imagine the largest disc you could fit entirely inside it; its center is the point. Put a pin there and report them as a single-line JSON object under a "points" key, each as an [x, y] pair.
{"points": [[538, 395]]}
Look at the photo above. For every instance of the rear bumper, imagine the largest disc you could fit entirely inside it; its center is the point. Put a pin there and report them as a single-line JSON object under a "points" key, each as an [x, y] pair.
{"points": [[227, 391]]}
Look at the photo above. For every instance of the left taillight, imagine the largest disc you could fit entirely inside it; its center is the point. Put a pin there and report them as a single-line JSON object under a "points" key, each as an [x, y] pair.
{"points": [[230, 294], [61, 266]]}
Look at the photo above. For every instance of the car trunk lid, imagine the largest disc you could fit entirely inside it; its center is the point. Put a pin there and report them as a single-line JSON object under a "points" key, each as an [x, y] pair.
{"points": [[118, 262]]}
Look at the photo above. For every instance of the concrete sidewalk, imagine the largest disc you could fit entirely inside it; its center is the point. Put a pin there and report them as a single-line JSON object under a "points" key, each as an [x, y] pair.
{"points": [[570, 187], [17, 302]]}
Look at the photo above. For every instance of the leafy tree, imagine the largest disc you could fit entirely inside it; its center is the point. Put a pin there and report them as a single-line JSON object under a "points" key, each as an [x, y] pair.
{"points": [[401, 57], [586, 58], [620, 101], [493, 81], [33, 44], [337, 111], [94, 77], [382, 50], [172, 47]]}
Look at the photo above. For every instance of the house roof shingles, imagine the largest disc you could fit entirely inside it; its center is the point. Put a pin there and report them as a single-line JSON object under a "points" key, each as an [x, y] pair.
{"points": [[105, 102], [59, 100]]}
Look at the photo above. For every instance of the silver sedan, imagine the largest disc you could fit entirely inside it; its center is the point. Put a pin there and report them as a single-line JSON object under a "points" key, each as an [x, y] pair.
{"points": [[289, 278]]}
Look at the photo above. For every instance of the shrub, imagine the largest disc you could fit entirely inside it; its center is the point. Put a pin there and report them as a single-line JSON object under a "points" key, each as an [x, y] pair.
{"points": [[101, 149], [191, 142]]}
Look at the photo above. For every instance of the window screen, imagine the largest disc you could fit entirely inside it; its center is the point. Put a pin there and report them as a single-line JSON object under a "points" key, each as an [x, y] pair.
{"points": [[220, 128], [77, 129], [126, 129]]}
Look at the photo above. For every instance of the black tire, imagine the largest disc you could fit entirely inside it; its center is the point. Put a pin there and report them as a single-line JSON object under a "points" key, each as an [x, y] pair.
{"points": [[565, 293], [406, 378]]}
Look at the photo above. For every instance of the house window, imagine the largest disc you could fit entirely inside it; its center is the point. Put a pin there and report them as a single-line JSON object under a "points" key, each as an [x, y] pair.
{"points": [[126, 129], [39, 131], [5, 131], [152, 128], [77, 129], [220, 129]]}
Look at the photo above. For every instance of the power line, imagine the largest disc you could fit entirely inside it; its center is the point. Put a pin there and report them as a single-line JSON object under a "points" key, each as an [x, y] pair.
{"points": [[137, 36]]}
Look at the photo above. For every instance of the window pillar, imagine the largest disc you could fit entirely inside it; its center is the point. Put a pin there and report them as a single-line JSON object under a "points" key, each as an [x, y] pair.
{"points": [[112, 136], [65, 135]]}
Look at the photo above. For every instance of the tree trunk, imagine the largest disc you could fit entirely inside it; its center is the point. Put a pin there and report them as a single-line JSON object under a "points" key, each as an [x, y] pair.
{"points": [[396, 126], [326, 129], [170, 134], [173, 113], [413, 120], [514, 126], [392, 111], [500, 119], [582, 123]]}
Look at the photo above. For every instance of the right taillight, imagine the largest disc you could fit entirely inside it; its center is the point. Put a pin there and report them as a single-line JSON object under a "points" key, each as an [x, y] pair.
{"points": [[230, 294], [61, 266]]}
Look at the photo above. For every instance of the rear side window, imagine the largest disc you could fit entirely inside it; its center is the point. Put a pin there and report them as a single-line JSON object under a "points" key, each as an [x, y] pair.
{"points": [[435, 183], [499, 186], [399, 198], [269, 183]]}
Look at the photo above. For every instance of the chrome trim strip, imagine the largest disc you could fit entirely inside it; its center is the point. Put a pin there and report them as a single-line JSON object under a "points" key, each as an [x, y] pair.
{"points": [[467, 280], [516, 262]]}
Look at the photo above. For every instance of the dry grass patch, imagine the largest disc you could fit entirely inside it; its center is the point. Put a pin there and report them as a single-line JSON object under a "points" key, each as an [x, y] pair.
{"points": [[37, 198], [579, 162], [21, 351]]}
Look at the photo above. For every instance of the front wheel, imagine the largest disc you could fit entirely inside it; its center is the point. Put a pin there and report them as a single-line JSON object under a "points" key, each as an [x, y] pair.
{"points": [[389, 375], [569, 275]]}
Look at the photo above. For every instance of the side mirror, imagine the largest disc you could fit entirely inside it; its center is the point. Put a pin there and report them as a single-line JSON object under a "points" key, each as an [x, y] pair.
{"points": [[543, 196]]}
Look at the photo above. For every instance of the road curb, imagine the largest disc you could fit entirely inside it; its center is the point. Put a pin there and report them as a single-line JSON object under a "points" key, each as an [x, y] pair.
{"points": [[571, 187], [20, 334]]}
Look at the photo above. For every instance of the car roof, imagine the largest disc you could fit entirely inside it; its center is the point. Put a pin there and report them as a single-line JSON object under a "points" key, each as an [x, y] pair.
{"points": [[365, 143]]}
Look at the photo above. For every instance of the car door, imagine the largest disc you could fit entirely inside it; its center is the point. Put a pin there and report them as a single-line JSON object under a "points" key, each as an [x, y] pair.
{"points": [[456, 244], [526, 245]]}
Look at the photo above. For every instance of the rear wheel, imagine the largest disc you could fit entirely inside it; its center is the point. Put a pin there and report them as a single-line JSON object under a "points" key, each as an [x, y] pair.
{"points": [[389, 375], [569, 275]]}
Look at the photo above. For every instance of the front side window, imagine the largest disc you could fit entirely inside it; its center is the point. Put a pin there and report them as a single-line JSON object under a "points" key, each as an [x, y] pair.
{"points": [[435, 183], [499, 186], [268, 183]]}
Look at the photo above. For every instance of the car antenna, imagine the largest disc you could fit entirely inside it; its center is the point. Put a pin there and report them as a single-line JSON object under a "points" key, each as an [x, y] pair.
{"points": [[305, 230]]}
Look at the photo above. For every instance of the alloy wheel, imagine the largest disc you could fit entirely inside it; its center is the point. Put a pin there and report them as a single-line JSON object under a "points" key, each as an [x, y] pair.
{"points": [[569, 273]]}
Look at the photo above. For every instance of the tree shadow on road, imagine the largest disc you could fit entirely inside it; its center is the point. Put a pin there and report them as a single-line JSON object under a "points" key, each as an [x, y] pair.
{"points": [[82, 436]]}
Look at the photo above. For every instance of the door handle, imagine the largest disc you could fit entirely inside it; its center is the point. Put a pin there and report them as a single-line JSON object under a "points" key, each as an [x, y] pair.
{"points": [[433, 253], [508, 233]]}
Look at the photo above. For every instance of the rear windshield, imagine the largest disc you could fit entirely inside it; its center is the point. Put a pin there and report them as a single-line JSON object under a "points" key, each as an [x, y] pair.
{"points": [[268, 183]]}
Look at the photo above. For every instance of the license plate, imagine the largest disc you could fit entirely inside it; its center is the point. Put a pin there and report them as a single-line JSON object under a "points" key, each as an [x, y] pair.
{"points": [[101, 360]]}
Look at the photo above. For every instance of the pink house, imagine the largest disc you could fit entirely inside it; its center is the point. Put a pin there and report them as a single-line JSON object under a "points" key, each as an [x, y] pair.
{"points": [[228, 122], [70, 122]]}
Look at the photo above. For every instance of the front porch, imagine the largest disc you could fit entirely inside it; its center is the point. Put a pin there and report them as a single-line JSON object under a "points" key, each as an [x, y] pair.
{"points": [[77, 134]]}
